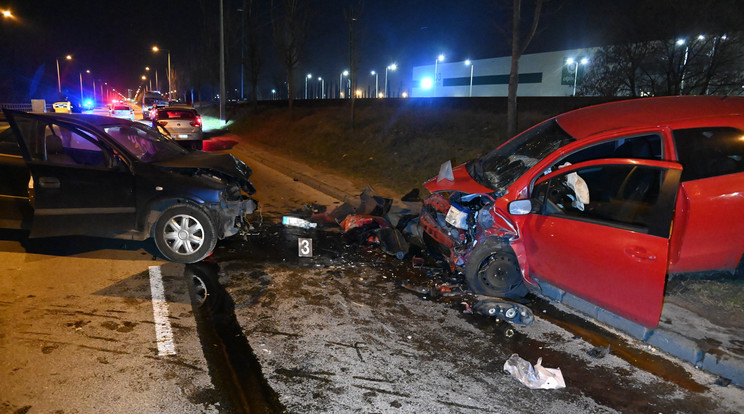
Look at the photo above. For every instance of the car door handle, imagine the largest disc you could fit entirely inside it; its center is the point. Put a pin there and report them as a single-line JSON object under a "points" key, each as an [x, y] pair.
{"points": [[640, 254], [49, 182]]}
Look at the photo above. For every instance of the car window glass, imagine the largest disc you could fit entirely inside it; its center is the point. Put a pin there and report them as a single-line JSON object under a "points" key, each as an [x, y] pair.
{"points": [[65, 145], [144, 143], [709, 152], [8, 142], [646, 147], [614, 194]]}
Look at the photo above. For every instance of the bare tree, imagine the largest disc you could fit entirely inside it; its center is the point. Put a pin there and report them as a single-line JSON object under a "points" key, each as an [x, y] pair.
{"points": [[253, 48], [519, 42], [352, 14], [289, 24]]}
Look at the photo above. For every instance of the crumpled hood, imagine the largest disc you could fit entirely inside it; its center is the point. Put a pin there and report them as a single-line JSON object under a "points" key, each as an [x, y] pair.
{"points": [[455, 179], [223, 165]]}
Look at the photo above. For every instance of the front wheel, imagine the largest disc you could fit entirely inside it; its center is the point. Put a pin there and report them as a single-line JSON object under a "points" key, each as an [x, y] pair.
{"points": [[492, 270], [185, 234]]}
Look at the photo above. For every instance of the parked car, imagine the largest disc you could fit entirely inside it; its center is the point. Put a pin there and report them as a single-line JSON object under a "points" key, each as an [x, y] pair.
{"points": [[183, 123], [110, 177], [122, 111], [62, 107], [601, 202]]}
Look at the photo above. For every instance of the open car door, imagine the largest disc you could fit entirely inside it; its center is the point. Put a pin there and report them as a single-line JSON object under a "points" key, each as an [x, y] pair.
{"points": [[600, 230], [78, 186]]}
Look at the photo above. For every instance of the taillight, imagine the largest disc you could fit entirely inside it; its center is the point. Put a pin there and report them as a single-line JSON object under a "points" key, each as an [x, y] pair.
{"points": [[196, 122]]}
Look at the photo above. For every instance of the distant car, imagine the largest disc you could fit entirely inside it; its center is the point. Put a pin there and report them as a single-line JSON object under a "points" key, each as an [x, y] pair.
{"points": [[62, 107], [110, 177], [122, 111], [184, 125], [600, 203]]}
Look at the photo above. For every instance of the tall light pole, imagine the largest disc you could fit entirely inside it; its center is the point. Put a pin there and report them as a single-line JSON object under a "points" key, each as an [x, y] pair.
{"points": [[59, 80], [439, 58], [572, 61], [309, 76], [340, 82], [390, 67], [469, 63], [377, 92], [322, 87], [156, 50]]}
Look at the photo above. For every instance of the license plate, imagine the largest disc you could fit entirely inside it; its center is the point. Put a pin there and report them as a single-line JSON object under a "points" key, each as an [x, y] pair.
{"points": [[184, 136]]}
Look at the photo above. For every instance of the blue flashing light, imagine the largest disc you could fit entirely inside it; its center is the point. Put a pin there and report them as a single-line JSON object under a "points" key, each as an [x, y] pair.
{"points": [[427, 83], [88, 103]]}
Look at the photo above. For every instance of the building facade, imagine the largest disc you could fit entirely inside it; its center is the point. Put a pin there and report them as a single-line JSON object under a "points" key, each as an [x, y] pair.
{"points": [[540, 74]]}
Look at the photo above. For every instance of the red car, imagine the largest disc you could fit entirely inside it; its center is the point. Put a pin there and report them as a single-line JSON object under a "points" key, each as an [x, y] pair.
{"points": [[601, 203]]}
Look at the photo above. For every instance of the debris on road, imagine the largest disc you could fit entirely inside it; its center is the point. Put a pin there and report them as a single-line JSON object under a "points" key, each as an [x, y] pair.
{"points": [[298, 222], [537, 377], [599, 352]]}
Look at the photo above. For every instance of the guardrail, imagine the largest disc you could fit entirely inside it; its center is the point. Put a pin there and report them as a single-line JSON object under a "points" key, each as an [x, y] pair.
{"points": [[25, 107]]}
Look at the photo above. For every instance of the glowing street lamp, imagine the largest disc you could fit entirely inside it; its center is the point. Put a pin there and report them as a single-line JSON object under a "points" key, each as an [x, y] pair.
{"points": [[572, 61], [82, 99], [377, 92], [439, 58], [391, 67], [309, 76], [469, 63], [156, 50], [7, 14], [59, 81], [322, 87], [340, 82], [273, 94]]}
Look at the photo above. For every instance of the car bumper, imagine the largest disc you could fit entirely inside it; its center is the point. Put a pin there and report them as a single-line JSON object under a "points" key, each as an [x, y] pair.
{"points": [[231, 215]]}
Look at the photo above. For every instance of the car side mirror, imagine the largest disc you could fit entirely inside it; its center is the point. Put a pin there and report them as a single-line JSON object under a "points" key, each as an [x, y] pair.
{"points": [[520, 207]]}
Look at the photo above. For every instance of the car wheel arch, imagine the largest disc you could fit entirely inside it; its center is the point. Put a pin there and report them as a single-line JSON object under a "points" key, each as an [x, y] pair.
{"points": [[492, 268]]}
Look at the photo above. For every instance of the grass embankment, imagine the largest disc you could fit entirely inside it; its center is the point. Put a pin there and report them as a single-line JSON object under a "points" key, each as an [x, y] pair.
{"points": [[398, 147]]}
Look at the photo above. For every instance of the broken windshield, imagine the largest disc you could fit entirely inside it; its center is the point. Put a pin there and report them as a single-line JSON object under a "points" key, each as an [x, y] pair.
{"points": [[502, 166]]}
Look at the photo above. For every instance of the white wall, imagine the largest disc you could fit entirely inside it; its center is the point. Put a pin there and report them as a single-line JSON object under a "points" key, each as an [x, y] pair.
{"points": [[494, 73]]}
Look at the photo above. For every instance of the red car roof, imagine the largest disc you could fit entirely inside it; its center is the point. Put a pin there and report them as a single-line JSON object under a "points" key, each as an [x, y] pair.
{"points": [[642, 112]]}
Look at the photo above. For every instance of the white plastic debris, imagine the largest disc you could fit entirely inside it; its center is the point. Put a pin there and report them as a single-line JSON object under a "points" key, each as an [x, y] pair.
{"points": [[537, 377], [298, 222]]}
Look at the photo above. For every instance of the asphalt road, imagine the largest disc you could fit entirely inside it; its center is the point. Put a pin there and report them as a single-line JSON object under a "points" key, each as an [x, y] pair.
{"points": [[335, 332]]}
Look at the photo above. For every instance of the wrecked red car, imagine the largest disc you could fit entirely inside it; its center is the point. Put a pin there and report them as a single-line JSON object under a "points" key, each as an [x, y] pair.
{"points": [[601, 202]]}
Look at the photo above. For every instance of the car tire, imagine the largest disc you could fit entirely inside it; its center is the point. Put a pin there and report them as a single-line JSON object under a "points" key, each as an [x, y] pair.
{"points": [[185, 234], [492, 269]]}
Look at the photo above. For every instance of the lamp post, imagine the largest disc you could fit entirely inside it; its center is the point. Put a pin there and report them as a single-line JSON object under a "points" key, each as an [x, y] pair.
{"points": [[439, 58], [469, 63], [340, 82], [377, 92], [156, 50], [59, 80], [572, 61], [273, 94], [309, 76], [390, 67], [322, 87]]}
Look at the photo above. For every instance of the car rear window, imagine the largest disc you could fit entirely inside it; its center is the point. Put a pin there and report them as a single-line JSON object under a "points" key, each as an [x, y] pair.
{"points": [[176, 115], [709, 152]]}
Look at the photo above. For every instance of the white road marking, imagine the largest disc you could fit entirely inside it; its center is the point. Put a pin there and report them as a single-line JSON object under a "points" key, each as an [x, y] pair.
{"points": [[163, 332]]}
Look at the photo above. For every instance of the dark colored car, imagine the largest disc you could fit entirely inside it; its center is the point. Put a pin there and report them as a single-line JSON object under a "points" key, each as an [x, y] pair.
{"points": [[600, 203], [110, 177]]}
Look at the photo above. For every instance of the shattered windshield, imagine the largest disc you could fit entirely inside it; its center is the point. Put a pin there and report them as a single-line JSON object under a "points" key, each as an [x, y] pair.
{"points": [[502, 166], [145, 143]]}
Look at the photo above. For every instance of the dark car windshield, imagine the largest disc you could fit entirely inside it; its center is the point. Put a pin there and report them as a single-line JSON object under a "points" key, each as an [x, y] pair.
{"points": [[144, 143], [502, 166]]}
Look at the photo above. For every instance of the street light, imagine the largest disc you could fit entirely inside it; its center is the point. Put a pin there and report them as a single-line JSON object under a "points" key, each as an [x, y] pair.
{"points": [[572, 61], [309, 76], [391, 67], [59, 81], [322, 87], [7, 14], [377, 92], [469, 63], [273, 94], [439, 58], [156, 50], [340, 82]]}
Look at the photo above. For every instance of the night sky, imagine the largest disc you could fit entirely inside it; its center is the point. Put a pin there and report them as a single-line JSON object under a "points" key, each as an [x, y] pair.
{"points": [[114, 38]]}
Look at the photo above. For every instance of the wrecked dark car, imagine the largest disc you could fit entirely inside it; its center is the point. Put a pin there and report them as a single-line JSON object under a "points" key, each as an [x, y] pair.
{"points": [[109, 177], [600, 203]]}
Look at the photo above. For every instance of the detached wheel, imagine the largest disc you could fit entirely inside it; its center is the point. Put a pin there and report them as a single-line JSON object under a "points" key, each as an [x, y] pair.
{"points": [[185, 234], [492, 270]]}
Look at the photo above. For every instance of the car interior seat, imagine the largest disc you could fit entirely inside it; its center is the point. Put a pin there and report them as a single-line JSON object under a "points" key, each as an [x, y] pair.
{"points": [[55, 151]]}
